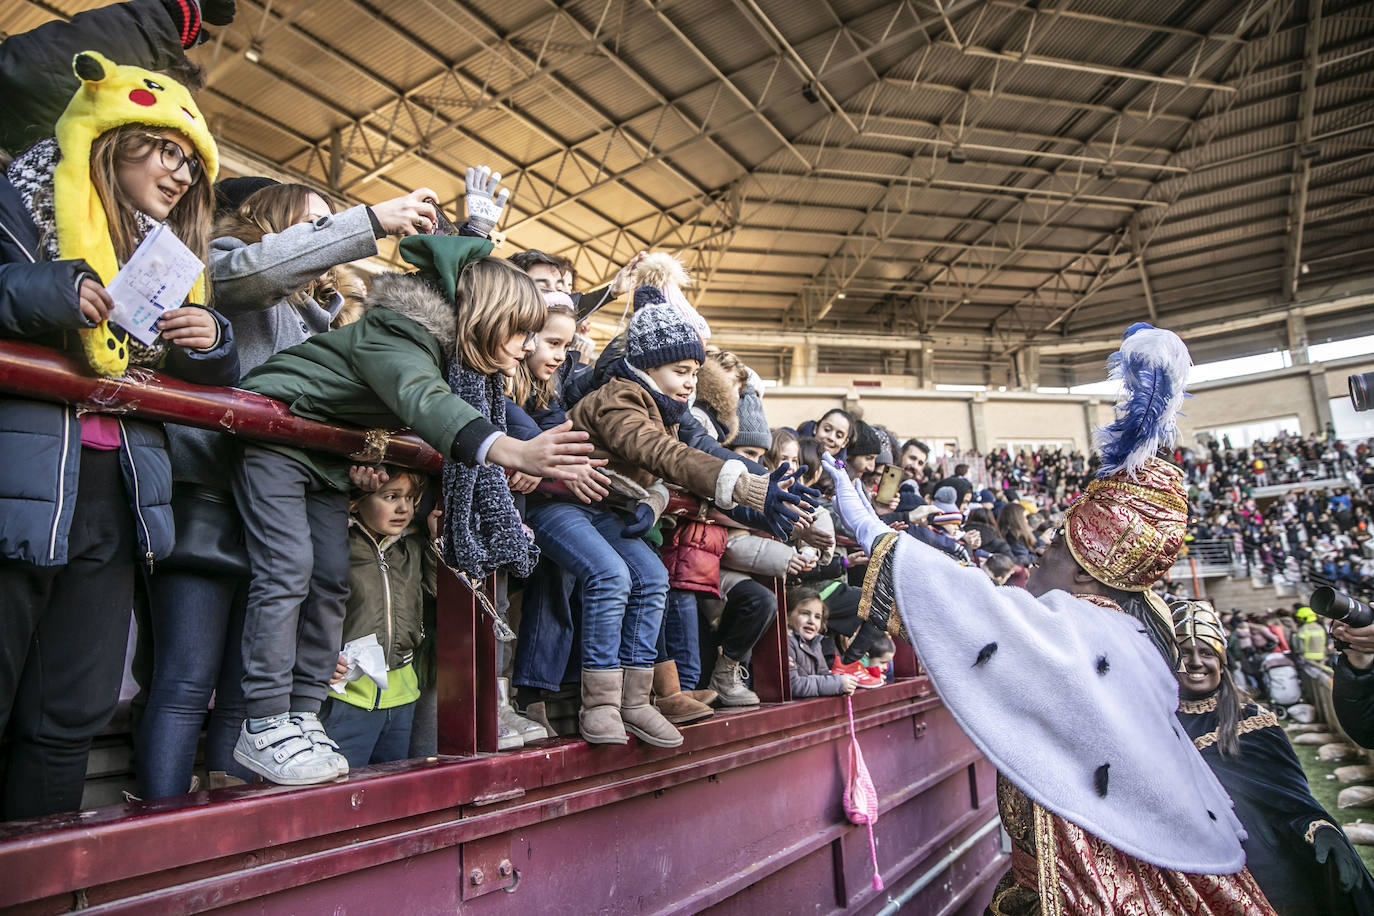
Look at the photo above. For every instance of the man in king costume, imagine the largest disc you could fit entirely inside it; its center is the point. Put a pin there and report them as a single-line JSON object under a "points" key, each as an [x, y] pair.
{"points": [[1068, 686]]}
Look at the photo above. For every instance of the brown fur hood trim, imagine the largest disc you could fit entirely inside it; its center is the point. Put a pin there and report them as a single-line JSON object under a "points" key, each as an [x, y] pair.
{"points": [[408, 295], [718, 392]]}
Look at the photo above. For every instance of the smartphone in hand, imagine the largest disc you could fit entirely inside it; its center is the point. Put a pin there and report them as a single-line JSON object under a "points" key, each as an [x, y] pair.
{"points": [[887, 487]]}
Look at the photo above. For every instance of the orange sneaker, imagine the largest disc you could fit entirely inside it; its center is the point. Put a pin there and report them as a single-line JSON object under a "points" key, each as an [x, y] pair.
{"points": [[859, 673]]}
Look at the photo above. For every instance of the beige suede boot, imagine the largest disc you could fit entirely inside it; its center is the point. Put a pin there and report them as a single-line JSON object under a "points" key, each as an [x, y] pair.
{"points": [[642, 720], [599, 719], [676, 705]]}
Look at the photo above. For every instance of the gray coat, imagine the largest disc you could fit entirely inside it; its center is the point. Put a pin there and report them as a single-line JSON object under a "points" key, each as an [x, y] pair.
{"points": [[808, 671], [251, 285]]}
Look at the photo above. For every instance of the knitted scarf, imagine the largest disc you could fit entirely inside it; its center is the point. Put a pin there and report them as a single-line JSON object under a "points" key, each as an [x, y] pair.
{"points": [[671, 410], [482, 531], [31, 175]]}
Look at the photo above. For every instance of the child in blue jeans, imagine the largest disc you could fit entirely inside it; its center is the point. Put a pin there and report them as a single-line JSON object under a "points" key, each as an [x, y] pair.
{"points": [[391, 570], [632, 421]]}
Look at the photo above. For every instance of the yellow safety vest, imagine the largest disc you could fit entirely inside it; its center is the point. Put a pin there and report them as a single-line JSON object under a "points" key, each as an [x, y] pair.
{"points": [[1311, 639]]}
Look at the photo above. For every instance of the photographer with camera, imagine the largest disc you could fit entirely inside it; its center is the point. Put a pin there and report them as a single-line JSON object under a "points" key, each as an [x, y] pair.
{"points": [[1353, 685]]}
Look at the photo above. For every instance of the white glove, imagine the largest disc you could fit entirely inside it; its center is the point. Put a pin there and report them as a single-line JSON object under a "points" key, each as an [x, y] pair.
{"points": [[484, 205]]}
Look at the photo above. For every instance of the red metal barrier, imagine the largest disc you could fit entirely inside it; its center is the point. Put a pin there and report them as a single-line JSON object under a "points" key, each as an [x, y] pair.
{"points": [[442, 834]]}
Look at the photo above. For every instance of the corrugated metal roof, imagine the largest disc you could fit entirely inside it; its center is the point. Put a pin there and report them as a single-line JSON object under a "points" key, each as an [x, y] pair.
{"points": [[1088, 146]]}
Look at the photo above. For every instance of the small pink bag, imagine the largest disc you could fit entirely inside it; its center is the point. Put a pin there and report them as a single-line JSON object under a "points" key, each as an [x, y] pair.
{"points": [[860, 799]]}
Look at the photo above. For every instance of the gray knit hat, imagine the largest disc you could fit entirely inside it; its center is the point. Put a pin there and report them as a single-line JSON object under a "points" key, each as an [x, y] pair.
{"points": [[660, 334], [753, 425]]}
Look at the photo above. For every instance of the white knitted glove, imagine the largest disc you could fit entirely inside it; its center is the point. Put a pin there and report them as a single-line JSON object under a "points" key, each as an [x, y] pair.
{"points": [[484, 205]]}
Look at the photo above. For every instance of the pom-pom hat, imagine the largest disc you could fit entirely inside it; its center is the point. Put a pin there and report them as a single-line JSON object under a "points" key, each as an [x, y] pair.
{"points": [[659, 335]]}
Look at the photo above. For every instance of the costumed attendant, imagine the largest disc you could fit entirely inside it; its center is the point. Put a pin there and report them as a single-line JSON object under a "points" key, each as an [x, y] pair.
{"points": [[86, 499], [1068, 687], [1297, 853]]}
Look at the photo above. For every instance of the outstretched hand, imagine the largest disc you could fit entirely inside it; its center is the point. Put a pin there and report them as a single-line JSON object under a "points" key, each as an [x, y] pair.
{"points": [[553, 453], [778, 511], [811, 497]]}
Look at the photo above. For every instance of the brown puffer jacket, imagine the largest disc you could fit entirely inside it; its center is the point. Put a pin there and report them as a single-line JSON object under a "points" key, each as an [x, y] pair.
{"points": [[627, 429]]}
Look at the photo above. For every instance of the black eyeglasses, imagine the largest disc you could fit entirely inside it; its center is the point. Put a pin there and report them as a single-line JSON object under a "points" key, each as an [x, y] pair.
{"points": [[174, 157]]}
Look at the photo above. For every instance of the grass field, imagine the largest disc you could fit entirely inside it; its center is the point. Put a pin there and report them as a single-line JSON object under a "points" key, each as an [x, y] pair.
{"points": [[1325, 790]]}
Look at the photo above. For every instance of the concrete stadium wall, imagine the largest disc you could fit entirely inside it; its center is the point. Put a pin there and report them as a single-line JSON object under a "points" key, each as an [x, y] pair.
{"points": [[988, 419]]}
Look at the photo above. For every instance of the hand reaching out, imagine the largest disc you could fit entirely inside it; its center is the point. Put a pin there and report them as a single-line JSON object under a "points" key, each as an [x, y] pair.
{"points": [[588, 484]]}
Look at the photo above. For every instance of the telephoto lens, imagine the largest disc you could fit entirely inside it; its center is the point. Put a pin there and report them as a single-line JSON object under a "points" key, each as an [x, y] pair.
{"points": [[1339, 606], [1360, 383]]}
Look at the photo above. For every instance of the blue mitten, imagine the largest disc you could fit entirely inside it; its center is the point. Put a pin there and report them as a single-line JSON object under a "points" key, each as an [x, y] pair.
{"points": [[643, 521], [778, 513], [810, 497]]}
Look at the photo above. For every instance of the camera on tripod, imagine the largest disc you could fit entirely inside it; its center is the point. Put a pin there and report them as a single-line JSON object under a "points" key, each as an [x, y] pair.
{"points": [[1336, 605]]}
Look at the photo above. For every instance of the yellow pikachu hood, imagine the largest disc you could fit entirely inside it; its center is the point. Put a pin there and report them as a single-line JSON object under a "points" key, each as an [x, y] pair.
{"points": [[112, 95]]}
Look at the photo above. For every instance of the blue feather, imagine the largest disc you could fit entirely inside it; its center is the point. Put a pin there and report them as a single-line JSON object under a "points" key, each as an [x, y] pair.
{"points": [[1152, 366]]}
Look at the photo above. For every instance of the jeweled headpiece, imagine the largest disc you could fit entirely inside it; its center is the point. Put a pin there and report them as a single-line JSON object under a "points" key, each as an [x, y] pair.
{"points": [[1198, 620]]}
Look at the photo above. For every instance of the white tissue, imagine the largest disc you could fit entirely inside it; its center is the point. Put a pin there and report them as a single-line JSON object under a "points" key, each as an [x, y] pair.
{"points": [[363, 655]]}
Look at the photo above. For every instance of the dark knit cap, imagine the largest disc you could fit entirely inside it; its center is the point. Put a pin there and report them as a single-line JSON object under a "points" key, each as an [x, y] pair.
{"points": [[961, 486], [230, 193], [865, 441], [753, 425], [659, 335]]}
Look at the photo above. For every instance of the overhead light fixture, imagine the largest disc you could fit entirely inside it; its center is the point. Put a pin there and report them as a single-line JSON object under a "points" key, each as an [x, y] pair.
{"points": [[1107, 171], [956, 155], [254, 52], [809, 92], [839, 295]]}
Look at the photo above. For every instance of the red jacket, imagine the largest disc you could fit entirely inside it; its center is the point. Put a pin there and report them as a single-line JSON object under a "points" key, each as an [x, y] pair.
{"points": [[692, 555]]}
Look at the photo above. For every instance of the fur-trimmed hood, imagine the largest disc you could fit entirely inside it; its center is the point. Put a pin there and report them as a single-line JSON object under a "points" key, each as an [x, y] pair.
{"points": [[418, 300], [718, 395]]}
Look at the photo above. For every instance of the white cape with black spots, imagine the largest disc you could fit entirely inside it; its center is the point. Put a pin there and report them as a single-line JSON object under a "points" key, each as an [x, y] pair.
{"points": [[1039, 709]]}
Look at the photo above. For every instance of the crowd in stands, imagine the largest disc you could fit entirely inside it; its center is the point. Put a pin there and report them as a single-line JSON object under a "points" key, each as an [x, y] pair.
{"points": [[287, 594]]}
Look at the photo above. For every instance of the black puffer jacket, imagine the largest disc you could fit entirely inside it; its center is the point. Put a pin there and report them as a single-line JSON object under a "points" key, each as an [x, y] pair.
{"points": [[36, 78], [40, 442]]}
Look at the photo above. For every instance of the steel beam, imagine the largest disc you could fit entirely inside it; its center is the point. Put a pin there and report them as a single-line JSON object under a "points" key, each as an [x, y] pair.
{"points": [[1302, 154]]}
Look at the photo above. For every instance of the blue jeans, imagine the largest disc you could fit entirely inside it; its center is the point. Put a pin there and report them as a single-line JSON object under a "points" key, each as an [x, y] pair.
{"points": [[548, 628], [369, 735], [680, 639], [197, 621], [624, 584]]}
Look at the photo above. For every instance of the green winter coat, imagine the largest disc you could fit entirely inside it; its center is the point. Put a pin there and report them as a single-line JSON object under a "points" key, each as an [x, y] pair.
{"points": [[387, 581], [388, 370]]}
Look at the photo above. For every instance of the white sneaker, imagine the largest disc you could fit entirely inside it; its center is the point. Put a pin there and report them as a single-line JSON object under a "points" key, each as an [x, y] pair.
{"points": [[283, 755], [507, 738], [528, 729], [313, 728]]}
